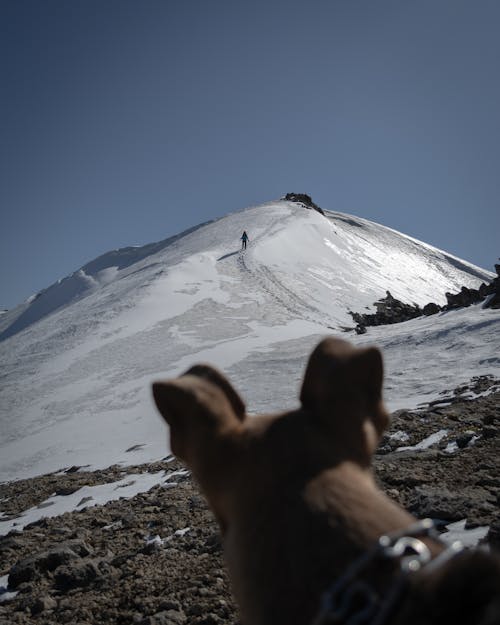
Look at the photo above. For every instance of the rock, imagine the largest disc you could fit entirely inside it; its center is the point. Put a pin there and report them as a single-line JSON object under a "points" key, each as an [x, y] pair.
{"points": [[41, 604], [76, 575], [390, 310], [470, 503], [494, 302], [463, 440], [490, 431], [23, 571], [494, 534], [304, 199], [431, 309], [121, 558], [29, 568], [167, 617], [66, 490], [84, 500], [437, 503], [196, 609], [129, 520], [10, 543]]}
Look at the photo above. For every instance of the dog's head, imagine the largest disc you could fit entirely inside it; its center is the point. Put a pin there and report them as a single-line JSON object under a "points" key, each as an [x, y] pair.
{"points": [[341, 398], [340, 419]]}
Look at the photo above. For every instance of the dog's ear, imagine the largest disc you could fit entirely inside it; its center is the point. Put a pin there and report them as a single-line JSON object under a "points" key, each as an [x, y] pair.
{"points": [[340, 377], [197, 406], [219, 379]]}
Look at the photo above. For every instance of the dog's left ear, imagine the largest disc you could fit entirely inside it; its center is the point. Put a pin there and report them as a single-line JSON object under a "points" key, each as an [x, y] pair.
{"points": [[214, 376], [198, 406], [343, 379]]}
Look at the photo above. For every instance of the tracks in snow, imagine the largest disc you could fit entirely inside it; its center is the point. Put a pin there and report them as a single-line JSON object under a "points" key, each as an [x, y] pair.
{"points": [[265, 280]]}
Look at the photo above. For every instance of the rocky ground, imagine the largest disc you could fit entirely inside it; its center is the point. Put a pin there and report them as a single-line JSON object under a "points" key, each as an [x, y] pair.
{"points": [[103, 564]]}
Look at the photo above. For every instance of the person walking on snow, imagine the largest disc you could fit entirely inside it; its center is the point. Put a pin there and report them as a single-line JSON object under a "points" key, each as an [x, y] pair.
{"points": [[244, 238]]}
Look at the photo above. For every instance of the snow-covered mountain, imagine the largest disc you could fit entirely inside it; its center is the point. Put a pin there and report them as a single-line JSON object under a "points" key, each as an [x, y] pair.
{"points": [[78, 358]]}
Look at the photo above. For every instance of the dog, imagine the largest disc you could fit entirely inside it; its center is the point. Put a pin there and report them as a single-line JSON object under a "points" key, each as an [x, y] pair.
{"points": [[300, 513]]}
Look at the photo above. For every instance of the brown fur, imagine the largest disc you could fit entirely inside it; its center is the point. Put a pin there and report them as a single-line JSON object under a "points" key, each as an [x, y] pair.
{"points": [[294, 493]]}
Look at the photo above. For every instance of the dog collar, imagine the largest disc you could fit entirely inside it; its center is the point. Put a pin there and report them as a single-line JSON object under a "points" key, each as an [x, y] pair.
{"points": [[351, 601]]}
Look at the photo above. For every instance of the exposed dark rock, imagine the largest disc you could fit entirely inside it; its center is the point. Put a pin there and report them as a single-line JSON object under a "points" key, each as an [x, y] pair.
{"points": [[437, 503], [167, 617], [441, 503], [464, 439], [304, 199], [31, 567], [390, 310], [489, 431], [493, 301], [431, 309], [41, 604], [494, 534], [465, 297], [76, 575]]}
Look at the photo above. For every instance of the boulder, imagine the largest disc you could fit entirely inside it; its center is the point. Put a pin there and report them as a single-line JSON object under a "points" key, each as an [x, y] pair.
{"points": [[31, 567], [431, 309], [76, 575]]}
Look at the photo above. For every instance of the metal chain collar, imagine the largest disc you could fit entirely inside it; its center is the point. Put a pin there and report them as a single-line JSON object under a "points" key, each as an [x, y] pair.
{"points": [[351, 601]]}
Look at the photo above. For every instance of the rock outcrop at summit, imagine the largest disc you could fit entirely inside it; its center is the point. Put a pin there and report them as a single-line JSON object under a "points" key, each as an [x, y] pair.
{"points": [[303, 198]]}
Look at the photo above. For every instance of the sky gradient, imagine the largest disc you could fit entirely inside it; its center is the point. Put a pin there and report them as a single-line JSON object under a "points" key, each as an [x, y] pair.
{"points": [[123, 122]]}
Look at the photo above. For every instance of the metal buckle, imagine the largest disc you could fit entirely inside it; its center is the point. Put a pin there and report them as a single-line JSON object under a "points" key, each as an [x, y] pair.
{"points": [[338, 602], [418, 554]]}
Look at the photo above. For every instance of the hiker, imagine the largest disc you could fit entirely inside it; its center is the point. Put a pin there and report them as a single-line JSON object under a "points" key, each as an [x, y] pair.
{"points": [[244, 238]]}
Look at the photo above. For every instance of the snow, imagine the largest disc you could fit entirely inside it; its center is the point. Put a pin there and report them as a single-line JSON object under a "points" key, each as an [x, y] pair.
{"points": [[6, 595], [427, 442], [468, 537], [399, 436], [88, 496], [79, 358], [158, 541]]}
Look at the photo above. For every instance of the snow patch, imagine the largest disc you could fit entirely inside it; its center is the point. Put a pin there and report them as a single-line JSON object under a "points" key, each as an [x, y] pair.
{"points": [[433, 439], [5, 594], [89, 496], [468, 537], [399, 436]]}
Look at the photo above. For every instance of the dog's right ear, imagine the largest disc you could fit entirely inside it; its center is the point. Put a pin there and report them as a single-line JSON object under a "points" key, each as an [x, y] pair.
{"points": [[344, 380]]}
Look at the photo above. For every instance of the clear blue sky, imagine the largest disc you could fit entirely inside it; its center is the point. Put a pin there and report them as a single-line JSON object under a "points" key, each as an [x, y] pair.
{"points": [[123, 122]]}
